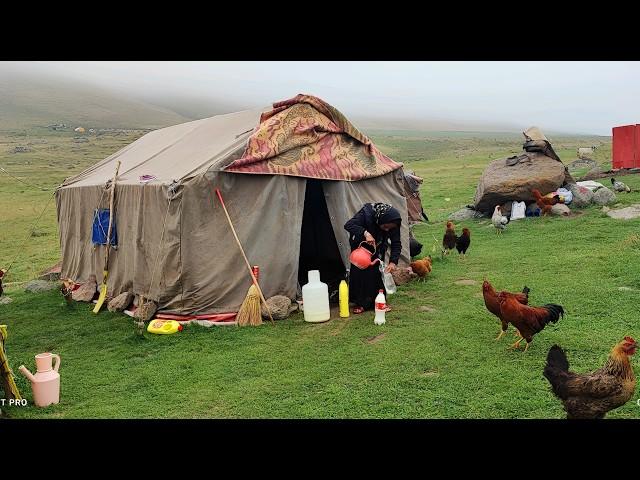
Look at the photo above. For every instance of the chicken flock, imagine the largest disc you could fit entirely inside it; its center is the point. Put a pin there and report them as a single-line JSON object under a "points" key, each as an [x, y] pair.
{"points": [[583, 395]]}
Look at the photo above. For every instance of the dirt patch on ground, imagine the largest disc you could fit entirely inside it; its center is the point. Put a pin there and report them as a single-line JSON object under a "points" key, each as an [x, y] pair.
{"points": [[426, 308], [430, 373], [375, 338], [466, 282], [573, 214], [340, 324]]}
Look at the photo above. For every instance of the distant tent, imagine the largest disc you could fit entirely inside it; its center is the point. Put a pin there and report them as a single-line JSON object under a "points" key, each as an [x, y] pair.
{"points": [[79, 130], [291, 175]]}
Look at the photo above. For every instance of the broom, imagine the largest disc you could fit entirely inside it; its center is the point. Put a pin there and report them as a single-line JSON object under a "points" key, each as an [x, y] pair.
{"points": [[249, 313]]}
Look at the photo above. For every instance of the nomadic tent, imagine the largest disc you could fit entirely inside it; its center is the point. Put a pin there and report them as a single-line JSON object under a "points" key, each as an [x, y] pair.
{"points": [[291, 175]]}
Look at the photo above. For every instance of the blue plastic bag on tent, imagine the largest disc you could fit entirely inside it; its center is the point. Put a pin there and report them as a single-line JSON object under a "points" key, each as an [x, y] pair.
{"points": [[101, 227]]}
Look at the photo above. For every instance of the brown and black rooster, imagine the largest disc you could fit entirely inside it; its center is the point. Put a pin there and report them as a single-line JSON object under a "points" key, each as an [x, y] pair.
{"points": [[492, 303], [545, 203], [592, 395], [528, 320]]}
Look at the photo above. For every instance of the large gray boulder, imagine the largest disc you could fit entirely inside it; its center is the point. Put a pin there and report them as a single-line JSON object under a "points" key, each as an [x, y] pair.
{"points": [[582, 196], [513, 178], [604, 196]]}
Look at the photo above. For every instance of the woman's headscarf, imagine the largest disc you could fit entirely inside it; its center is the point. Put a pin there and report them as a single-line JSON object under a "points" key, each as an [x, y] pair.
{"points": [[385, 213]]}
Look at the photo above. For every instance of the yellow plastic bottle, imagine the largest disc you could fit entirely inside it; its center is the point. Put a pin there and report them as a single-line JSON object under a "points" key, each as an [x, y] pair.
{"points": [[343, 296], [164, 326]]}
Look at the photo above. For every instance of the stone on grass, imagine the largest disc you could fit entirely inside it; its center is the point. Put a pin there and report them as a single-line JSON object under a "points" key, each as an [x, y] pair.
{"points": [[604, 196], [120, 302], [279, 306], [560, 209], [627, 213], [37, 286]]}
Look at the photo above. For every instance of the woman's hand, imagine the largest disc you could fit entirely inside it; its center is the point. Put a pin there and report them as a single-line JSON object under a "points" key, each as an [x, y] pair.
{"points": [[369, 238], [390, 268]]}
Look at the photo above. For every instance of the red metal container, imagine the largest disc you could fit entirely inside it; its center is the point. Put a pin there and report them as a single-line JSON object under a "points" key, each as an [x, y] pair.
{"points": [[625, 149]]}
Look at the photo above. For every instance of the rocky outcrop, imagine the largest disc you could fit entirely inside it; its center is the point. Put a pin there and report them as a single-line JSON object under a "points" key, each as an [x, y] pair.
{"points": [[513, 178]]}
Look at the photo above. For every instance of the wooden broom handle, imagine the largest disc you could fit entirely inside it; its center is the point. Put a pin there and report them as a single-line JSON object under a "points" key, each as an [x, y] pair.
{"points": [[255, 281], [111, 195]]}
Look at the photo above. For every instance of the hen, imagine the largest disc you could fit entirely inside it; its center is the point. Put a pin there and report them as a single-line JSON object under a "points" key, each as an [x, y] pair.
{"points": [[449, 239], [492, 303], [422, 267], [528, 320], [499, 221], [1, 275], [545, 203], [66, 289], [619, 186], [403, 275], [463, 242], [592, 395]]}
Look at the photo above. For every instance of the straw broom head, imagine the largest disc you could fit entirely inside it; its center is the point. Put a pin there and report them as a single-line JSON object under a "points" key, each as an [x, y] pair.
{"points": [[249, 313]]}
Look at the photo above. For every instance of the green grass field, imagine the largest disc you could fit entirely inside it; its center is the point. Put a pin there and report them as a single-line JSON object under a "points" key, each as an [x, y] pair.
{"points": [[436, 357]]}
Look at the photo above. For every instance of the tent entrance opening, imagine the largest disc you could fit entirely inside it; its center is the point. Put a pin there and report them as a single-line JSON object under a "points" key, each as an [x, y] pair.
{"points": [[318, 246]]}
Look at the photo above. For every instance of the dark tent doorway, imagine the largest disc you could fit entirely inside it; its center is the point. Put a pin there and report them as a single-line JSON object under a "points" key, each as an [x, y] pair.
{"points": [[318, 246]]}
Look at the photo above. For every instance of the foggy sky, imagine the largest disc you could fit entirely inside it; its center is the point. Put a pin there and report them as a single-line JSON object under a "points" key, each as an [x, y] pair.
{"points": [[572, 97]]}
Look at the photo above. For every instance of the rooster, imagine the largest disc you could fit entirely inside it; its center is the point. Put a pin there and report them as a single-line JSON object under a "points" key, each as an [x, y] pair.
{"points": [[619, 186], [545, 203], [592, 395], [498, 220], [492, 303], [528, 320], [421, 267], [463, 242], [449, 239]]}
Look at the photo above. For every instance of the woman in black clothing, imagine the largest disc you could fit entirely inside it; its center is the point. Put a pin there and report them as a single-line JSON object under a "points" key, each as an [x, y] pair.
{"points": [[375, 224]]}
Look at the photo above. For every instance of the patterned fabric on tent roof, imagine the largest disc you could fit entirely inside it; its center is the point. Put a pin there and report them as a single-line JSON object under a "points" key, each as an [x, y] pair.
{"points": [[306, 137]]}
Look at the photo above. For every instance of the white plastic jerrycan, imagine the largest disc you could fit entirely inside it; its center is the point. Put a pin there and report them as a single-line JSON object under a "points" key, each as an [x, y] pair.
{"points": [[315, 298]]}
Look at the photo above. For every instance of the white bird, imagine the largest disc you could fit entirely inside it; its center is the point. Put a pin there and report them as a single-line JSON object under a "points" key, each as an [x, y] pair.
{"points": [[499, 221], [619, 186]]}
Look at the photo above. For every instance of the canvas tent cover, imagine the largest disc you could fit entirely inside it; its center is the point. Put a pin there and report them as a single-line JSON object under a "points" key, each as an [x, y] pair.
{"points": [[174, 243]]}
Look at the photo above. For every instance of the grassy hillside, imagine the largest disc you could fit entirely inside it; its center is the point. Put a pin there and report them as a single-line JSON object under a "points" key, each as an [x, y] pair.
{"points": [[28, 101]]}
